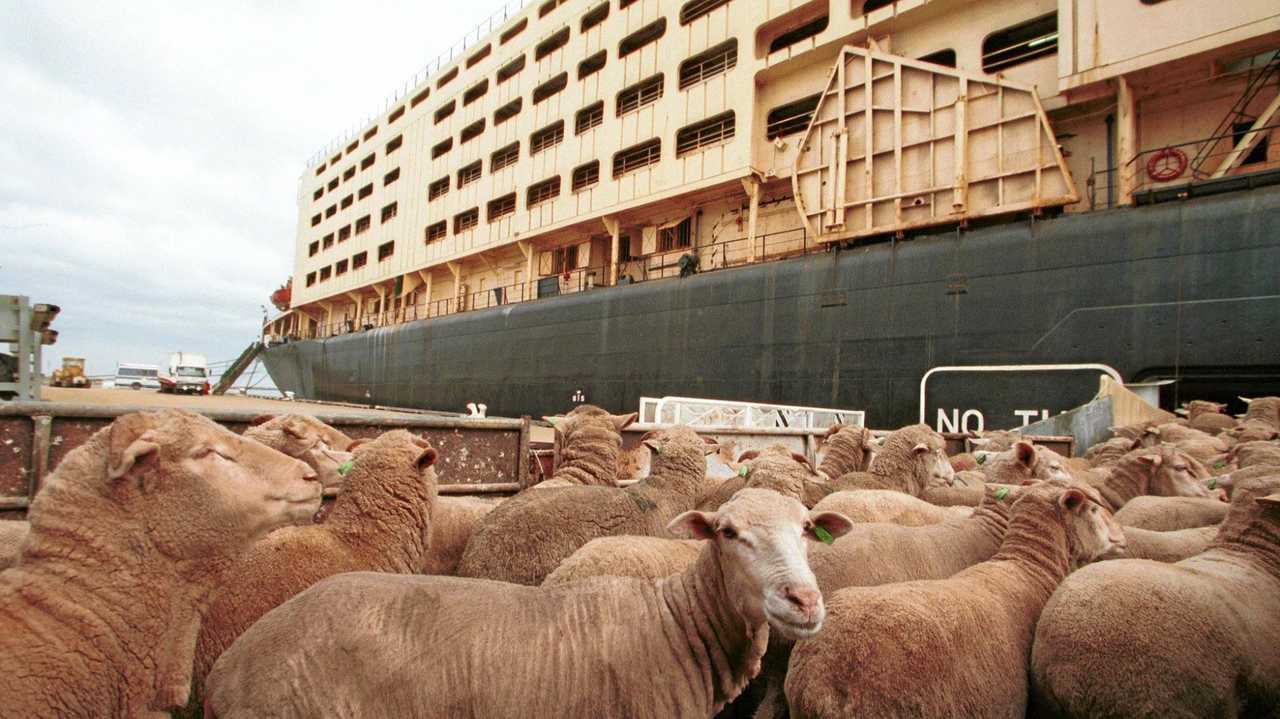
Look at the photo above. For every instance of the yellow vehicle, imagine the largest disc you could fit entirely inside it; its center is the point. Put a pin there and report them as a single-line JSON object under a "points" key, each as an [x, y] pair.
{"points": [[71, 374]]}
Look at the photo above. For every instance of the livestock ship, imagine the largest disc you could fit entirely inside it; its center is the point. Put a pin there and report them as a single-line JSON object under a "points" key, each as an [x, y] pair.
{"points": [[802, 202]]}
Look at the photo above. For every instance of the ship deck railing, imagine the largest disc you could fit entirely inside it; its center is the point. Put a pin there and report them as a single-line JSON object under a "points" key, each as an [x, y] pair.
{"points": [[664, 264]]}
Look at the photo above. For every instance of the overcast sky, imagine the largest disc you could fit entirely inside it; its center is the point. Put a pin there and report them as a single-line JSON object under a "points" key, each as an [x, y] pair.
{"points": [[150, 153]]}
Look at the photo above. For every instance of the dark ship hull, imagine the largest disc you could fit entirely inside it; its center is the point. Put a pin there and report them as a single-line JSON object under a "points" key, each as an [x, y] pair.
{"points": [[1187, 289]]}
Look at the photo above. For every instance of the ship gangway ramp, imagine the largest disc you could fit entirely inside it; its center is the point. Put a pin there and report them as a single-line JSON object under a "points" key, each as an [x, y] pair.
{"points": [[897, 144], [238, 367]]}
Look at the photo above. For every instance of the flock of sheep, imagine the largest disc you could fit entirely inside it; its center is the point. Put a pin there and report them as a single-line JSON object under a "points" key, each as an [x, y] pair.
{"points": [[172, 565]]}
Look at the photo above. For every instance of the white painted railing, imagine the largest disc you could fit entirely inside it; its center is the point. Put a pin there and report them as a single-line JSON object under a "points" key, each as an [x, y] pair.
{"points": [[697, 412]]}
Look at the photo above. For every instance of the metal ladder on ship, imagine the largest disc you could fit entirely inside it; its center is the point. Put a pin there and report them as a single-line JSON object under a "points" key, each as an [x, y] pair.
{"points": [[1236, 114], [238, 367]]}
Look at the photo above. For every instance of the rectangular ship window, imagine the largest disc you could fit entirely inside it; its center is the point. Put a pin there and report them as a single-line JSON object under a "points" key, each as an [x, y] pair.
{"points": [[585, 176], [508, 155], [352, 147], [1021, 43], [546, 138], [472, 131], [439, 188], [475, 92], [389, 178], [441, 148], [550, 87], [446, 78], [359, 259], [348, 201], [367, 162], [589, 117], [642, 93], [502, 206], [469, 174], [478, 56], [709, 132], [350, 173], [394, 144], [368, 135], [445, 111], [636, 157], [551, 44], [705, 65], [592, 65], [365, 191], [315, 220], [325, 272], [420, 97], [648, 34], [791, 118], [507, 111], [386, 250], [396, 114], [512, 31], [311, 278], [344, 233], [330, 211], [464, 221], [595, 16], [795, 35], [674, 238], [363, 223], [389, 212], [540, 192], [436, 231], [946, 58], [511, 69], [340, 268], [317, 194], [328, 241], [695, 9], [313, 249], [333, 184]]}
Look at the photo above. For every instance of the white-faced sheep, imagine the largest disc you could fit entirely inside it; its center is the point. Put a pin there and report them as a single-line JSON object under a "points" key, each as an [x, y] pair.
{"points": [[775, 467], [1022, 462], [588, 442], [1110, 451], [1263, 409], [381, 522], [1198, 638], [1252, 430], [846, 448], [1168, 514], [527, 536], [912, 459], [955, 647], [1250, 454], [303, 437], [1207, 416], [392, 646], [12, 534], [1163, 472], [99, 617]]}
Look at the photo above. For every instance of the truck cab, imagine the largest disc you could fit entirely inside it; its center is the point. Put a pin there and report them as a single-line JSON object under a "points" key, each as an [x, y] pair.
{"points": [[188, 373]]}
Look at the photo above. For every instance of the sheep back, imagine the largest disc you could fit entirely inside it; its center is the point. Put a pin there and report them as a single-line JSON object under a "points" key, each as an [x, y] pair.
{"points": [[12, 534], [626, 556], [1168, 514], [887, 506]]}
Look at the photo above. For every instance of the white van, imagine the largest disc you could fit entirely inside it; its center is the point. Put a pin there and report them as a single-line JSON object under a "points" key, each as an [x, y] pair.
{"points": [[137, 376]]}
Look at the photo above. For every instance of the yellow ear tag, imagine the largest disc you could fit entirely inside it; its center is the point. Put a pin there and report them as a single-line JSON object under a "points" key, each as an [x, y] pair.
{"points": [[1002, 493], [823, 535]]}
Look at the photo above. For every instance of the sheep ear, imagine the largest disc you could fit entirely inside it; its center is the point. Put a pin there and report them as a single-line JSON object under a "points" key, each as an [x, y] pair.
{"points": [[694, 524], [748, 455], [836, 524], [131, 447], [1026, 453], [1181, 411], [920, 448], [1271, 500], [261, 419], [710, 446], [553, 421], [831, 431], [355, 443], [623, 421], [1246, 400], [979, 441], [427, 458], [1072, 500]]}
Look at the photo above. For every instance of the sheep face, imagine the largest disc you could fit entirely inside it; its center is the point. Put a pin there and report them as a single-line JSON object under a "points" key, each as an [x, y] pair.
{"points": [[936, 465], [1177, 475], [164, 463], [1253, 430], [760, 538], [1091, 530], [322, 447], [1026, 461]]}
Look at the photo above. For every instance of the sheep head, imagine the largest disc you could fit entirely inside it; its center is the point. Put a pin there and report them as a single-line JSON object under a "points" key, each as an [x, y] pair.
{"points": [[303, 437], [397, 468], [162, 464], [1025, 461], [779, 469], [1092, 531], [759, 536], [1175, 473]]}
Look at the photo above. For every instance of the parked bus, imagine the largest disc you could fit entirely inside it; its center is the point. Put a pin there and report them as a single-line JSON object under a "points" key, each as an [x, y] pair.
{"points": [[137, 376]]}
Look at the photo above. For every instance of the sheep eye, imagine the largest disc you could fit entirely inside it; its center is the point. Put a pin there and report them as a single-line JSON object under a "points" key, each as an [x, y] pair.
{"points": [[1180, 467], [728, 533]]}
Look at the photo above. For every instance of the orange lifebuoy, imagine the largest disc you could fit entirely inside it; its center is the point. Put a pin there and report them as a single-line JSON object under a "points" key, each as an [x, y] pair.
{"points": [[1167, 164]]}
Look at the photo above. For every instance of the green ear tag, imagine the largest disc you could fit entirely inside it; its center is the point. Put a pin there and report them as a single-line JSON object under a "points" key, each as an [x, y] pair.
{"points": [[982, 458], [823, 535], [1219, 465], [742, 471], [1213, 483], [345, 467], [1002, 493]]}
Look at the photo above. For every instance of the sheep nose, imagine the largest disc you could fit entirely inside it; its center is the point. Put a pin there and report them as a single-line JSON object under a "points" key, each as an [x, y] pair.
{"points": [[1221, 495], [802, 598], [309, 474]]}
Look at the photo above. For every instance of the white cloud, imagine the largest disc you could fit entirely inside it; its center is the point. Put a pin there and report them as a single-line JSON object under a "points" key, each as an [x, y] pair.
{"points": [[151, 153]]}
